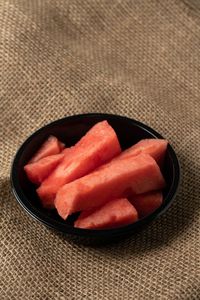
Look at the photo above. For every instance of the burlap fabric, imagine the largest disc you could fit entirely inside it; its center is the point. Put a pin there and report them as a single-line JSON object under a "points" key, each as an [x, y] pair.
{"points": [[135, 58]]}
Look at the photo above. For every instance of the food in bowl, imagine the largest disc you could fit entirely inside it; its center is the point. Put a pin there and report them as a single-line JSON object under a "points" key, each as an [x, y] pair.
{"points": [[98, 179]]}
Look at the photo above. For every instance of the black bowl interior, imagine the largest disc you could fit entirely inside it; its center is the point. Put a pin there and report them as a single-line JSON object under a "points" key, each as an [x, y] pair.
{"points": [[69, 130]]}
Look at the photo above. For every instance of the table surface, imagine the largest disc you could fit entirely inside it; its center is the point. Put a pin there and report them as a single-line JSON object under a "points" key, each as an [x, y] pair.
{"points": [[140, 59]]}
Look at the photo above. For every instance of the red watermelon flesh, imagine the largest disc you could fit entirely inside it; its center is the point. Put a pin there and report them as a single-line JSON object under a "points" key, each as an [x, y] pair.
{"points": [[50, 147], [66, 151], [146, 204], [154, 147], [39, 170], [115, 213], [113, 180], [99, 145]]}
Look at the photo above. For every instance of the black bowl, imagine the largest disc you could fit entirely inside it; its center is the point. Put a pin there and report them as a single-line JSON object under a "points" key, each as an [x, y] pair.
{"points": [[69, 130]]}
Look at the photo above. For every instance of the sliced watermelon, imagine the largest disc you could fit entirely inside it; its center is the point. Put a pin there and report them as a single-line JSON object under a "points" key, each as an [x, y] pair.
{"points": [[115, 179], [39, 170], [154, 147], [147, 203], [99, 145], [66, 151], [115, 213], [50, 147]]}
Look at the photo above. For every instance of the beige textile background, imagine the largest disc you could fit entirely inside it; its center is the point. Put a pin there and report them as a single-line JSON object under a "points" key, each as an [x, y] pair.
{"points": [[136, 58]]}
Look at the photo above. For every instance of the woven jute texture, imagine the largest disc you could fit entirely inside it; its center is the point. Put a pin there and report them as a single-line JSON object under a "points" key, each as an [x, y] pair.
{"points": [[135, 58]]}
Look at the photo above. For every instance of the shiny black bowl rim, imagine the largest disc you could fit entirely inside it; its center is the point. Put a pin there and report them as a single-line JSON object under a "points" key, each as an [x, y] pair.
{"points": [[54, 224]]}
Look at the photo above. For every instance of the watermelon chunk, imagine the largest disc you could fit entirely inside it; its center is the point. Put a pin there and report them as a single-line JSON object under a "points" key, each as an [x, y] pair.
{"points": [[115, 213], [146, 204], [39, 170], [115, 179], [50, 147], [154, 147], [99, 145]]}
